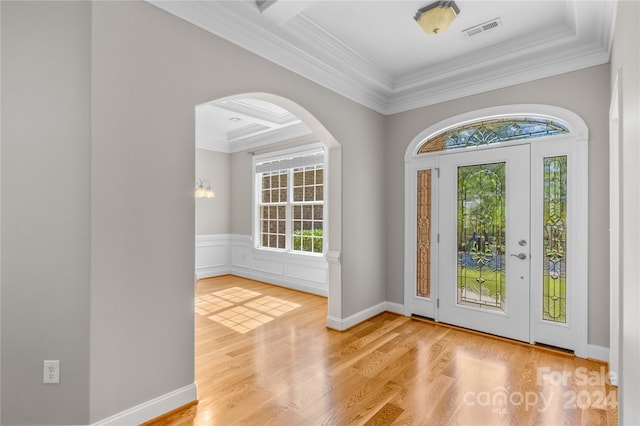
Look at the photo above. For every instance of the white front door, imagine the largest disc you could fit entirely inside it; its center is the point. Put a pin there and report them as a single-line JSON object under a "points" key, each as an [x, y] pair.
{"points": [[484, 248], [496, 225]]}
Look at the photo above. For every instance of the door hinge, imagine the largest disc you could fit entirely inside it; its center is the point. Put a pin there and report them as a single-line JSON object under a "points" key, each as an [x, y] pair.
{"points": [[437, 303], [438, 171], [438, 238]]}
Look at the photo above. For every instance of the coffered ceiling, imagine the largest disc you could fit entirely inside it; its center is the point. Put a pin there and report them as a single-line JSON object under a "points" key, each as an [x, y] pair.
{"points": [[245, 124]]}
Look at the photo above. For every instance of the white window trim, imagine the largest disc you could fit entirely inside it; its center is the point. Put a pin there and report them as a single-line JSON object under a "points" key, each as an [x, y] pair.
{"points": [[274, 156]]}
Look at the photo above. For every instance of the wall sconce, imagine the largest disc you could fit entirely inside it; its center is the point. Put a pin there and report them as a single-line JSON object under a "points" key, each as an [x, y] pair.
{"points": [[203, 189]]}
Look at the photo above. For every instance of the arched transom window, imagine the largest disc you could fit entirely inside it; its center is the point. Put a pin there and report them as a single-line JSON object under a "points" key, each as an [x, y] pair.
{"points": [[492, 131]]}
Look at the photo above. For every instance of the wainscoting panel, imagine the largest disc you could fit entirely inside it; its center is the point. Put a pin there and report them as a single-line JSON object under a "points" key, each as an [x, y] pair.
{"points": [[268, 266], [222, 254], [308, 272], [212, 255]]}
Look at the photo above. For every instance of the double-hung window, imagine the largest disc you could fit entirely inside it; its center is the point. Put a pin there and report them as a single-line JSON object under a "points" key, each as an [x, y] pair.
{"points": [[290, 202]]}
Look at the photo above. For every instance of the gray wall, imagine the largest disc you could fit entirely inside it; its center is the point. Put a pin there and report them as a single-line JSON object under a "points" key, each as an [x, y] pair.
{"points": [[212, 214], [584, 92], [97, 270], [625, 60], [241, 193], [111, 244], [46, 117]]}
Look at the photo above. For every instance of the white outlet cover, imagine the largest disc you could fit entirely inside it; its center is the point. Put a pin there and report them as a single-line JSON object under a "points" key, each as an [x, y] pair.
{"points": [[51, 372]]}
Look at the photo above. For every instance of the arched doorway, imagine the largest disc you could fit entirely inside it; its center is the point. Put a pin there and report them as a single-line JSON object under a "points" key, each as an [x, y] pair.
{"points": [[332, 182], [496, 224]]}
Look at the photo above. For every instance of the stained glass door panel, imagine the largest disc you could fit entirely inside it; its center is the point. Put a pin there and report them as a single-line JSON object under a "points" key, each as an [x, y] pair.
{"points": [[484, 252], [554, 226], [481, 236], [560, 246], [422, 295]]}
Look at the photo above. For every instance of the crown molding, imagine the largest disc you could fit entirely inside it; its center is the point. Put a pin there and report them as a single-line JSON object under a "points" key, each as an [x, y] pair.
{"points": [[286, 134], [324, 45], [224, 20], [305, 48], [204, 141]]}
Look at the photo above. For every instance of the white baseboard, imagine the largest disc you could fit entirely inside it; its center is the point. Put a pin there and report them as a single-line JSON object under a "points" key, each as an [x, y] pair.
{"points": [[601, 353], [355, 319], [213, 271], [396, 308], [153, 408], [307, 287], [343, 324]]}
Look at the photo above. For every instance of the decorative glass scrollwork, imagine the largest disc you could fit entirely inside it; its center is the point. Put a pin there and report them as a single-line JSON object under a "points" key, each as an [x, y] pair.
{"points": [[423, 272], [481, 236], [555, 239], [492, 131]]}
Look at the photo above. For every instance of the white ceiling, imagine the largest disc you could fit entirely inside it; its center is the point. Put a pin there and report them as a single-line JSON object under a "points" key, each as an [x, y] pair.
{"points": [[244, 124], [373, 52]]}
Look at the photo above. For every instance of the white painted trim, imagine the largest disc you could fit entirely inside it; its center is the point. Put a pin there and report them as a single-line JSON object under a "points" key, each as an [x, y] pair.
{"points": [[573, 333], [296, 133], [211, 263], [615, 212], [333, 205], [333, 189], [413, 304], [287, 283], [363, 315], [304, 47], [0, 217], [293, 151], [237, 26], [212, 144], [285, 277], [396, 308], [283, 134], [489, 79], [579, 136], [152, 408], [601, 353], [357, 318], [235, 255]]}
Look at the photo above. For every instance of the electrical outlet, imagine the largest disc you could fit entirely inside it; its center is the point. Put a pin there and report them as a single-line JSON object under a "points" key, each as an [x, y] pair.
{"points": [[51, 371]]}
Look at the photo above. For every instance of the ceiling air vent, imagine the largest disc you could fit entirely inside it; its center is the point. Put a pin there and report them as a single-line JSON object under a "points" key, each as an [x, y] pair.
{"points": [[487, 26]]}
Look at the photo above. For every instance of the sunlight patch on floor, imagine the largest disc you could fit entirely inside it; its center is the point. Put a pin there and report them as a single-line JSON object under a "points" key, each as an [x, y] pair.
{"points": [[272, 305], [236, 294], [208, 304], [242, 310]]}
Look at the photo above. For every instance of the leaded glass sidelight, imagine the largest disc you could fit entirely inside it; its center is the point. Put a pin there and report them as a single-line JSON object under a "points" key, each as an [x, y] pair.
{"points": [[487, 132], [555, 240], [423, 272], [481, 236]]}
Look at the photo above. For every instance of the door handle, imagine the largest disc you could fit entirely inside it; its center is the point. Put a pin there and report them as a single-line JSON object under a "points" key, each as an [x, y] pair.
{"points": [[521, 256]]}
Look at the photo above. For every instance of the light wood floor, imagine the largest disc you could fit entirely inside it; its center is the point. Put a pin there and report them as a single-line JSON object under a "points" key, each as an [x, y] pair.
{"points": [[264, 356]]}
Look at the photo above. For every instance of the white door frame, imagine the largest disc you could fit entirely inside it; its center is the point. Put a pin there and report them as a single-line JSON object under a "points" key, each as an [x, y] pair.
{"points": [[614, 233], [578, 135], [513, 321]]}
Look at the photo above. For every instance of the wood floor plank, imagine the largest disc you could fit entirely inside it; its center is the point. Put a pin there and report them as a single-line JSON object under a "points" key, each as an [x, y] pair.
{"points": [[265, 357], [385, 416]]}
